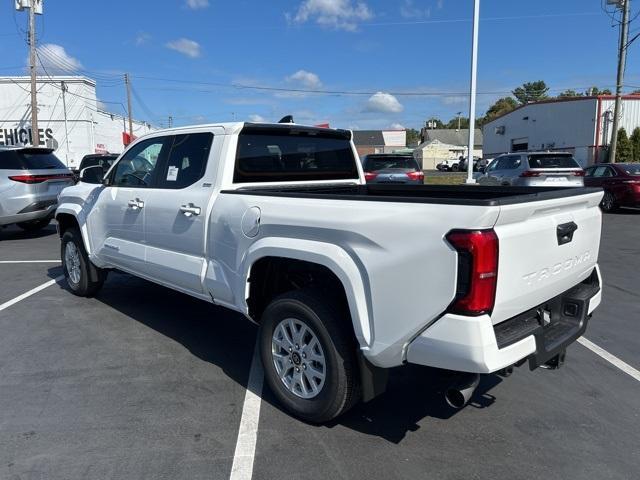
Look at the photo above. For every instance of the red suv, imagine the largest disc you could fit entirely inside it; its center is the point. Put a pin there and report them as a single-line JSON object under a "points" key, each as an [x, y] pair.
{"points": [[620, 181]]}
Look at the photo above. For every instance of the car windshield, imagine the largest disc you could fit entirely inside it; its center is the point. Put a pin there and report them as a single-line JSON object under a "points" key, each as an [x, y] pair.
{"points": [[373, 164], [633, 169], [29, 160], [552, 161]]}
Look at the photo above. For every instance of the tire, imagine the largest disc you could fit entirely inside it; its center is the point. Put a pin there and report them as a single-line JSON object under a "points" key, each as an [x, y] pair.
{"points": [[83, 277], [455, 168], [340, 389], [608, 203], [34, 225]]}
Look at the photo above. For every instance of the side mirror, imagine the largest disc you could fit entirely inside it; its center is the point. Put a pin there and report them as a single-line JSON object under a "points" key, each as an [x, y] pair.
{"points": [[92, 174]]}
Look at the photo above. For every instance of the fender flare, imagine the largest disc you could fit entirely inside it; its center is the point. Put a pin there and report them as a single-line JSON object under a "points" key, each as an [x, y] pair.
{"points": [[331, 256], [76, 212]]}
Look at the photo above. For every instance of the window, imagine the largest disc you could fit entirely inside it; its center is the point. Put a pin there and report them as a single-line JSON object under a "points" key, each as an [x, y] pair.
{"points": [[293, 154], [137, 166], [511, 162], [374, 163], [186, 160], [601, 172], [29, 159], [494, 164], [631, 169], [589, 172], [552, 161]]}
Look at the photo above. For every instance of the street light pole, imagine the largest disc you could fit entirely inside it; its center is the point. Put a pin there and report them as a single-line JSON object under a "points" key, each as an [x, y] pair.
{"points": [[472, 93], [622, 59], [35, 132]]}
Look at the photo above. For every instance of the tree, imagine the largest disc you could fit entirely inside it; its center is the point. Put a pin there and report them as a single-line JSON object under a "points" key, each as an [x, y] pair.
{"points": [[531, 92], [635, 144], [413, 137], [453, 123], [502, 106], [595, 91], [624, 152], [569, 94]]}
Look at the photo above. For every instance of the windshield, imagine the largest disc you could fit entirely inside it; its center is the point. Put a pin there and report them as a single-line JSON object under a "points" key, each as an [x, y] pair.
{"points": [[29, 160], [633, 169], [279, 155], [373, 164], [552, 161]]}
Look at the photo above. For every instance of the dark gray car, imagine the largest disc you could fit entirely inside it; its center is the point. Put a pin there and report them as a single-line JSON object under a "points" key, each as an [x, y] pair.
{"points": [[390, 168], [30, 181]]}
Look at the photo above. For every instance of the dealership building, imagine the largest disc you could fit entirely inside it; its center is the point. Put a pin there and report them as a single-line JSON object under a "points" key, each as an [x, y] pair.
{"points": [[71, 120], [579, 125]]}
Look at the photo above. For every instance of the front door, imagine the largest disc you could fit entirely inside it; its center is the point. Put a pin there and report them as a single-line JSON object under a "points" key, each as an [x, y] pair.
{"points": [[118, 216], [176, 210]]}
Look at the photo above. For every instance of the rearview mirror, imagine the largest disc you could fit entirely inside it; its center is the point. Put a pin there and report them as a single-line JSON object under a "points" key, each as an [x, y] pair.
{"points": [[92, 174]]}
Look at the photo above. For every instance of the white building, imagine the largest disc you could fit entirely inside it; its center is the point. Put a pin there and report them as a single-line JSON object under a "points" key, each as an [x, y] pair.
{"points": [[87, 129], [580, 125], [443, 144]]}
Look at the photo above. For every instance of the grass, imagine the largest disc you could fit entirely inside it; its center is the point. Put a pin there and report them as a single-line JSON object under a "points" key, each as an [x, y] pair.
{"points": [[448, 178]]}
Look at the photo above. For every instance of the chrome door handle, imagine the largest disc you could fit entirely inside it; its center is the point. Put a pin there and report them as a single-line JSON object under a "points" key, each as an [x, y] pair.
{"points": [[136, 204], [190, 210]]}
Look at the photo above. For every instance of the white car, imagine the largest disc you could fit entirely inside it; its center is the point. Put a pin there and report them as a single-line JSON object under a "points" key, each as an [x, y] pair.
{"points": [[346, 280]]}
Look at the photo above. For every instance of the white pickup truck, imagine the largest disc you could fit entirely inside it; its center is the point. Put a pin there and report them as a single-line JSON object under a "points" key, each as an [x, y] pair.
{"points": [[345, 280]]}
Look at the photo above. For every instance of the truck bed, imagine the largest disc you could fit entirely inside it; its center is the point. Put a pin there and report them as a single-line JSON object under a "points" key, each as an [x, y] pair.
{"points": [[437, 194]]}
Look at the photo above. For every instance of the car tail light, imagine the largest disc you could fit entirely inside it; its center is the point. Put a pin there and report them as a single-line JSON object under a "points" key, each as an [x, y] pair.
{"points": [[370, 176], [30, 179], [477, 271], [578, 173], [419, 175]]}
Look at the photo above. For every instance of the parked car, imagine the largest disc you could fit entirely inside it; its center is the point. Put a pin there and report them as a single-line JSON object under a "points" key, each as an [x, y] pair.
{"points": [[345, 279], [105, 160], [478, 164], [30, 181], [620, 181], [448, 165], [392, 168], [534, 169]]}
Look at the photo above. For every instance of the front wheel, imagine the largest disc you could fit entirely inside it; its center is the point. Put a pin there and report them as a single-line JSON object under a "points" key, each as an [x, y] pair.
{"points": [[608, 203], [83, 277], [309, 356]]}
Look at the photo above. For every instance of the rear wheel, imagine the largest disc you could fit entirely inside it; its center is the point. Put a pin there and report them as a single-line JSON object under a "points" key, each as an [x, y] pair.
{"points": [[83, 277], [608, 203], [455, 167], [34, 225], [309, 356]]}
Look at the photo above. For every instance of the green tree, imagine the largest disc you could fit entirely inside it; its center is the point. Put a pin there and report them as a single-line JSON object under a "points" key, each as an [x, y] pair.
{"points": [[502, 106], [595, 91], [624, 152], [531, 92], [413, 137], [453, 123], [635, 144], [569, 94]]}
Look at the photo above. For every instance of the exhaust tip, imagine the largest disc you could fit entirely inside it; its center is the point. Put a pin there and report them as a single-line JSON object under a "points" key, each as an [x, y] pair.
{"points": [[455, 398], [461, 390]]}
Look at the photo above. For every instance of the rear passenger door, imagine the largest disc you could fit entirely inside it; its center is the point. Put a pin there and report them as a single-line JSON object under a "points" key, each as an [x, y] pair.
{"points": [[177, 210]]}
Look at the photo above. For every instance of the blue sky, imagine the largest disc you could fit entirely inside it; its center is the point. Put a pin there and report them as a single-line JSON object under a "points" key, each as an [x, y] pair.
{"points": [[379, 48]]}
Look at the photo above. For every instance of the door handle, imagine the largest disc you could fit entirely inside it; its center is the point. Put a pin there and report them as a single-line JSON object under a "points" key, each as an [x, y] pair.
{"points": [[190, 210], [136, 204]]}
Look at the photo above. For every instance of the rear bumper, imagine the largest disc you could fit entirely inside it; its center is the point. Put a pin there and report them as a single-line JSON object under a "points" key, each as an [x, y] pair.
{"points": [[47, 211], [474, 344]]}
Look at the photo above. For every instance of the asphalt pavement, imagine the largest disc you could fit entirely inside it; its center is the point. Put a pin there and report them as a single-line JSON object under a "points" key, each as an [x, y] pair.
{"points": [[143, 382]]}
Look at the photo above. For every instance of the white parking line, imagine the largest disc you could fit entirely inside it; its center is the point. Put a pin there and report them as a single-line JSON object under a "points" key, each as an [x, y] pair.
{"points": [[29, 261], [242, 468], [625, 367], [33, 291]]}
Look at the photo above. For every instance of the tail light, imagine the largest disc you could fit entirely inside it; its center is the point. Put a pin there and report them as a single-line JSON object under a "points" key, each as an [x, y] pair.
{"points": [[368, 176], [477, 271], [30, 179], [419, 175], [578, 173]]}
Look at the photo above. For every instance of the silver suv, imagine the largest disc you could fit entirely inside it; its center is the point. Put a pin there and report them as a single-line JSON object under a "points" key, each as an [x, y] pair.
{"points": [[534, 169], [30, 181]]}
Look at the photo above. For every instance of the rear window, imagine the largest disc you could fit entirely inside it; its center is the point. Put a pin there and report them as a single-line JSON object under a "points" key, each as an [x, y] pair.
{"points": [[631, 169], [552, 161], [295, 154], [29, 160], [373, 164]]}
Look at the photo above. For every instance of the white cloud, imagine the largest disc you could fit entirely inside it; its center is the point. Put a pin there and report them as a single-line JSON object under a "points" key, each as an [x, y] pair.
{"points": [[338, 14], [54, 60], [383, 103], [256, 118], [185, 46], [397, 126], [197, 4], [142, 38], [306, 79], [408, 9]]}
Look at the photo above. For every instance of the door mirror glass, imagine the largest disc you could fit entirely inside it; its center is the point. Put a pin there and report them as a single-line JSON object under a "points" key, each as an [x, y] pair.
{"points": [[92, 174]]}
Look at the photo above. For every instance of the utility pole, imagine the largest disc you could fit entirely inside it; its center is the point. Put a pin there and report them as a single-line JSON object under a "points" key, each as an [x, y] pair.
{"points": [[472, 92], [459, 113], [622, 60], [66, 127], [126, 81], [170, 121], [35, 133]]}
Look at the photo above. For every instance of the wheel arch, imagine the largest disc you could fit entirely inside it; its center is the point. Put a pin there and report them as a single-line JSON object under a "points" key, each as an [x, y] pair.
{"points": [[70, 216]]}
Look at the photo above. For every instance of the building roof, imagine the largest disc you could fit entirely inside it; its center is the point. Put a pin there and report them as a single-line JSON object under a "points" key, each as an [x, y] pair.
{"points": [[453, 137], [368, 137]]}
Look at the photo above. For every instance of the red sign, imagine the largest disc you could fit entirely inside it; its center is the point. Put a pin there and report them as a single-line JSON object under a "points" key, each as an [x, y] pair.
{"points": [[127, 139]]}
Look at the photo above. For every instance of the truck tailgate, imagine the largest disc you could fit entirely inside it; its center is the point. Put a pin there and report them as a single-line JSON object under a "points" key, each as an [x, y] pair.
{"points": [[545, 248]]}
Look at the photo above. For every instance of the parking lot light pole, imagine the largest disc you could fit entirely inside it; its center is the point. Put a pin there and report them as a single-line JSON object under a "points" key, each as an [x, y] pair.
{"points": [[472, 93]]}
